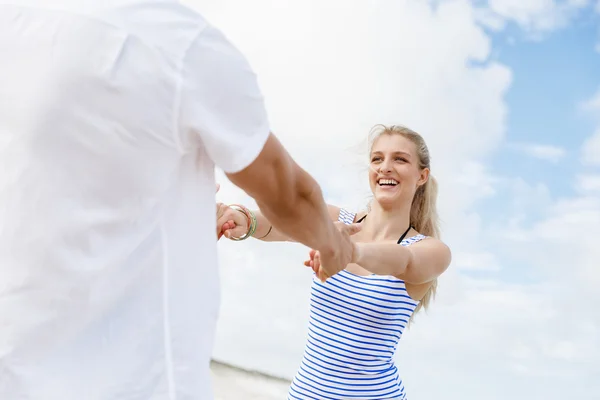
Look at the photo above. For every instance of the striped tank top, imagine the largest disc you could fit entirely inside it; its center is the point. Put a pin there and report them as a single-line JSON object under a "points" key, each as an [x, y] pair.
{"points": [[354, 328]]}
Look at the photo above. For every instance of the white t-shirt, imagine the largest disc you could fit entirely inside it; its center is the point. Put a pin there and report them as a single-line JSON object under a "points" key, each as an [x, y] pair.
{"points": [[112, 116]]}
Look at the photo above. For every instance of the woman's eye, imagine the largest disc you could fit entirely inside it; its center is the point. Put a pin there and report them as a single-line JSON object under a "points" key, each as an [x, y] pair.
{"points": [[401, 159]]}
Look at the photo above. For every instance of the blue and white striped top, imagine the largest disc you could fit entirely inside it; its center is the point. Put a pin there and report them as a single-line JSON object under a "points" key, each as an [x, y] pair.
{"points": [[355, 325]]}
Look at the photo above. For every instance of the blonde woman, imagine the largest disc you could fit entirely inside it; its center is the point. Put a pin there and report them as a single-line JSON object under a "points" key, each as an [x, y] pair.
{"points": [[358, 315]]}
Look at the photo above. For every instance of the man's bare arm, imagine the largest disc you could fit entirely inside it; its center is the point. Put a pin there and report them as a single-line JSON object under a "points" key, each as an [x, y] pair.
{"points": [[288, 197]]}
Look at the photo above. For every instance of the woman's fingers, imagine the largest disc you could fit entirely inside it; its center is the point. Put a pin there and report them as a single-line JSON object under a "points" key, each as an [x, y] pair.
{"points": [[227, 225], [231, 229]]}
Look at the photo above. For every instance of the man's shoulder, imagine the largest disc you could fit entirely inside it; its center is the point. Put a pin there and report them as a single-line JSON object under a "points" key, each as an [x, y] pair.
{"points": [[165, 24]]}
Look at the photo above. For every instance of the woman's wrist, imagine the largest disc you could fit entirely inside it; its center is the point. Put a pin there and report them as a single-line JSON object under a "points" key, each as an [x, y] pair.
{"points": [[251, 221], [266, 234], [357, 253]]}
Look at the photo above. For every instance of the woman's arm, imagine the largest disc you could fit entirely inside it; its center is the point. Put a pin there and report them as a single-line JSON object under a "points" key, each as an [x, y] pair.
{"points": [[418, 263], [264, 229]]}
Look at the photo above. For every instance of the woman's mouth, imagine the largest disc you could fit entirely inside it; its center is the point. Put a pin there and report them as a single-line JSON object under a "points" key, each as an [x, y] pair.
{"points": [[387, 182]]}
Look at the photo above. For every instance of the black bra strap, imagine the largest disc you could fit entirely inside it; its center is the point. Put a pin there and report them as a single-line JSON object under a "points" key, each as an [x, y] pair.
{"points": [[401, 237], [404, 235]]}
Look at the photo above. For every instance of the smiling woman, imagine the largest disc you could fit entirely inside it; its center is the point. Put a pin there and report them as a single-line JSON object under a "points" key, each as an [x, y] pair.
{"points": [[358, 315], [403, 187]]}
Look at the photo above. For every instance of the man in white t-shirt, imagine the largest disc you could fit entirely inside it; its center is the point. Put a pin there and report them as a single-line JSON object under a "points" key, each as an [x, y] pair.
{"points": [[113, 114]]}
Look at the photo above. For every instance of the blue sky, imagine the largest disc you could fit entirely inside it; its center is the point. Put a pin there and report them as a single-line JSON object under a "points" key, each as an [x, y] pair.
{"points": [[552, 77]]}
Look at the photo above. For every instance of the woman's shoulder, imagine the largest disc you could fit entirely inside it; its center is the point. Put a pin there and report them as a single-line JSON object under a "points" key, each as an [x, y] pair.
{"points": [[429, 244]]}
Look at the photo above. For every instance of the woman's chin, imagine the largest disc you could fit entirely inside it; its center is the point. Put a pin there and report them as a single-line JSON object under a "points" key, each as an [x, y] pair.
{"points": [[386, 201]]}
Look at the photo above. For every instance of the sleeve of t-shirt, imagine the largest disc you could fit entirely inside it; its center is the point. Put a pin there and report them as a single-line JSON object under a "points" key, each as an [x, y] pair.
{"points": [[222, 107]]}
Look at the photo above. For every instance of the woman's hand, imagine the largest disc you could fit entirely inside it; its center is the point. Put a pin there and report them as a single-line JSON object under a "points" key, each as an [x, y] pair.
{"points": [[327, 265], [230, 222]]}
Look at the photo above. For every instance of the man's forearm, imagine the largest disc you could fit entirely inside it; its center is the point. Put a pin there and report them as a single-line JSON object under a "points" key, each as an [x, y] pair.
{"points": [[306, 218], [287, 196]]}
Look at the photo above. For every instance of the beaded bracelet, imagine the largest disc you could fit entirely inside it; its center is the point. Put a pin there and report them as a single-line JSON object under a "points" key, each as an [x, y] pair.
{"points": [[250, 217]]}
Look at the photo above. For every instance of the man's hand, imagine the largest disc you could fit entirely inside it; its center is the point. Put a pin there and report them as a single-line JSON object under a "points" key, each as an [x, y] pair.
{"points": [[343, 252]]}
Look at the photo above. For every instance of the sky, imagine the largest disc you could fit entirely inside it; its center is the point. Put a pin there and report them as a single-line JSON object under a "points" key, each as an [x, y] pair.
{"points": [[507, 95]]}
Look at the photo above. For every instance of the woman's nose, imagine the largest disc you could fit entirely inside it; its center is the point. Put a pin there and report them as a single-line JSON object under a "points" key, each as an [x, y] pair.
{"points": [[385, 167]]}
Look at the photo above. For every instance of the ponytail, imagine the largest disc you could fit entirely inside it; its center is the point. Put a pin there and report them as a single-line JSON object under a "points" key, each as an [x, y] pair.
{"points": [[424, 218], [423, 212]]}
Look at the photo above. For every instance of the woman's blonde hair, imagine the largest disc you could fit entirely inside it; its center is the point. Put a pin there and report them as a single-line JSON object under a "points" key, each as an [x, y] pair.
{"points": [[423, 211]]}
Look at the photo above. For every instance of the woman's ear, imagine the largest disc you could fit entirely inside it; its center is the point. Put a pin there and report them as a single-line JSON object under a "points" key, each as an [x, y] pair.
{"points": [[424, 177]]}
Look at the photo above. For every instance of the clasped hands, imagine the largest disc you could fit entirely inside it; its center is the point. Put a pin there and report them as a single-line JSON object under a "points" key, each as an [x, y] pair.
{"points": [[232, 223]]}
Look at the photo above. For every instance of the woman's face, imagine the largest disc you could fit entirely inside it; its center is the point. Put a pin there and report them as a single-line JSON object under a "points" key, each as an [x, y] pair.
{"points": [[395, 173]]}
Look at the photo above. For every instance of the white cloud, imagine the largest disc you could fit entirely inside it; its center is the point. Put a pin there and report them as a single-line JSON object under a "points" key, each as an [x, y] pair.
{"points": [[330, 71], [527, 343], [578, 3], [590, 150], [588, 183], [490, 19], [537, 16], [541, 151], [475, 261], [557, 244], [593, 104], [533, 14], [570, 231]]}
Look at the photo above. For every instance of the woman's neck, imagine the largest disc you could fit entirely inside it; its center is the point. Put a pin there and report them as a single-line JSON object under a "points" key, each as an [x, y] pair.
{"points": [[386, 224]]}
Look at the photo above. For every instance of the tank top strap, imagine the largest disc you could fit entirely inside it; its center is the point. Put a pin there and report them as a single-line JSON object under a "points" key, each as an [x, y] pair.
{"points": [[413, 239], [346, 216]]}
